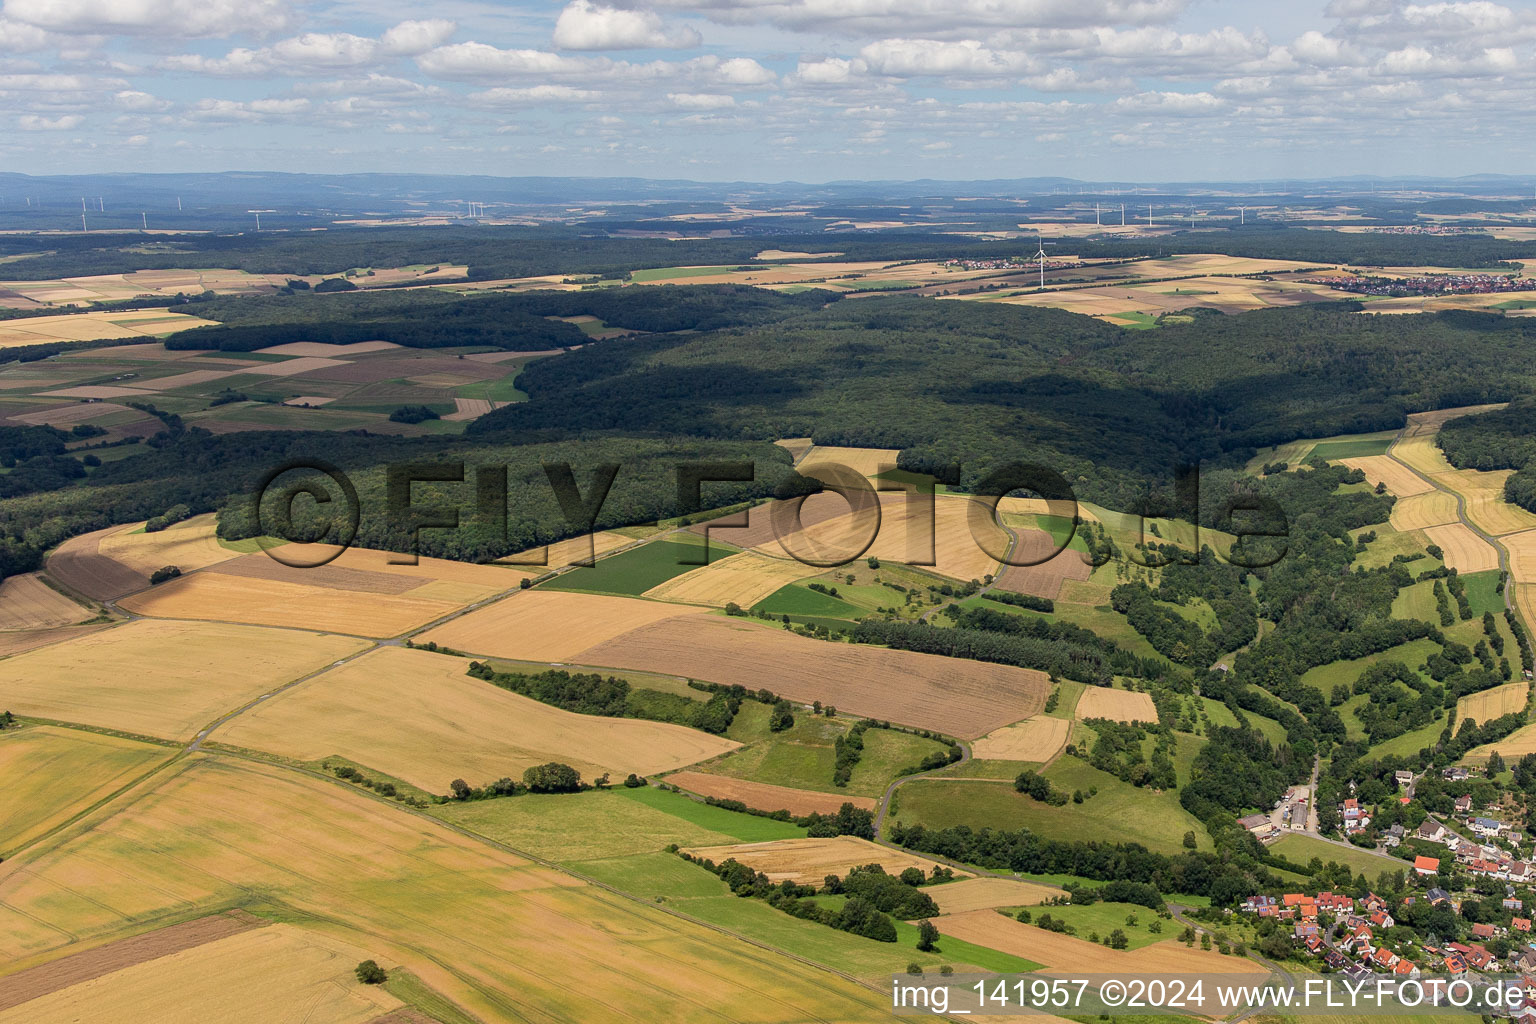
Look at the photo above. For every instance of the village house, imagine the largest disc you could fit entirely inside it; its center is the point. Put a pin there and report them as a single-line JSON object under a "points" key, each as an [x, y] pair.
{"points": [[1456, 773], [1425, 865], [1406, 969], [1403, 778], [1437, 895], [1513, 903], [1384, 958], [1335, 903], [1464, 804], [1521, 924], [1487, 827], [1255, 823], [1431, 830], [1381, 919], [1483, 931]]}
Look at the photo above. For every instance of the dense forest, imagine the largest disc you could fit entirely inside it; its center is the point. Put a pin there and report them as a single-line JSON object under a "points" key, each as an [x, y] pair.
{"points": [[503, 252], [1502, 439]]}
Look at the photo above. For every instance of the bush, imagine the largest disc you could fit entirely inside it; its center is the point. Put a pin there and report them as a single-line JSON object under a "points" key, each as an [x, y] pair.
{"points": [[553, 777], [166, 572], [412, 414], [370, 973]]}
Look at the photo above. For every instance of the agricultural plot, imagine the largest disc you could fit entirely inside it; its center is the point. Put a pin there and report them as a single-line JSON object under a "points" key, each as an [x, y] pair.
{"points": [[539, 625], [137, 323], [1044, 579], [188, 545], [955, 697], [764, 796], [1067, 952], [79, 564], [867, 462], [1511, 748], [744, 579], [26, 602], [1522, 567], [419, 717], [969, 894], [223, 597], [1464, 550], [1487, 705], [1036, 739], [635, 571], [490, 931], [164, 679], [1419, 452], [808, 861], [1119, 813], [1119, 705], [1432, 508], [798, 601], [257, 976], [51, 774], [1486, 507], [1383, 469]]}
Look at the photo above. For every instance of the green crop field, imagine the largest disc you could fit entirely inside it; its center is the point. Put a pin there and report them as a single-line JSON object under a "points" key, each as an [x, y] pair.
{"points": [[803, 757], [51, 774], [612, 823], [1482, 592], [635, 571], [796, 599], [1331, 450], [1119, 813], [1102, 918], [1301, 850]]}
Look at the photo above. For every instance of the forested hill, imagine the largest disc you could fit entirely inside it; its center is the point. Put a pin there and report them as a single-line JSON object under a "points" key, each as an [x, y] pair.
{"points": [[1498, 440], [988, 384], [503, 252]]}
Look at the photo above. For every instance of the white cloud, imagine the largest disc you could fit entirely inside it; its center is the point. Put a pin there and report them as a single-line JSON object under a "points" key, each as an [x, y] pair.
{"points": [[236, 111], [18, 37], [946, 18], [36, 123], [700, 100], [585, 25], [906, 58], [533, 95], [172, 18], [410, 38]]}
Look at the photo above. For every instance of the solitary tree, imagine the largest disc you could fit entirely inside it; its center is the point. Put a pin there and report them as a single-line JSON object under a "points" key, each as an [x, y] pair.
{"points": [[370, 973], [927, 936]]}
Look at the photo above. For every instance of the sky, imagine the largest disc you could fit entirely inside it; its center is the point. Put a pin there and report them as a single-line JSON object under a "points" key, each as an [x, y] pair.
{"points": [[772, 90]]}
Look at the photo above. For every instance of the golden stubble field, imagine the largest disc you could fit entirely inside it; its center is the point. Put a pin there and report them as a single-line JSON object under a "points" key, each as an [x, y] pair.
{"points": [[503, 937], [1383, 469], [1487, 705], [163, 679], [744, 578], [26, 602], [280, 972], [1463, 550], [540, 625], [808, 861], [970, 894], [419, 717], [953, 696], [138, 323], [51, 774], [1119, 705], [1432, 508], [1035, 739]]}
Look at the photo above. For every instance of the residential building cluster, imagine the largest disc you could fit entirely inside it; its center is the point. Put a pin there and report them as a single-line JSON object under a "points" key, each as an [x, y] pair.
{"points": [[1427, 284]]}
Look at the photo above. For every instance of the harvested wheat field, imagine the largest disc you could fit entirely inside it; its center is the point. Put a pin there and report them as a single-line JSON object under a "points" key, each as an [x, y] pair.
{"points": [[1464, 550], [26, 602], [420, 717], [515, 933], [811, 860], [137, 323], [1066, 952], [1034, 739], [1046, 578], [984, 893], [1118, 705], [1432, 508], [865, 462], [765, 797], [1487, 705], [187, 545], [1511, 748], [220, 597], [257, 976], [16, 641], [1421, 453], [571, 551], [77, 968], [1383, 469], [51, 774], [1431, 421], [165, 679], [745, 578], [1522, 569], [940, 539], [1486, 507], [79, 564], [539, 625], [958, 698]]}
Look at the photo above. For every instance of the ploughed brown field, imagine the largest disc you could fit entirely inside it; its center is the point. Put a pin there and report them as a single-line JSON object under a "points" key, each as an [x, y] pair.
{"points": [[1046, 578]]}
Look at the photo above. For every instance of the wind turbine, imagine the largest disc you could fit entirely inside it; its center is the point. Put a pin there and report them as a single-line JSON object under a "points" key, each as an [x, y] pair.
{"points": [[145, 218], [1242, 215], [82, 222], [1041, 257], [1122, 215]]}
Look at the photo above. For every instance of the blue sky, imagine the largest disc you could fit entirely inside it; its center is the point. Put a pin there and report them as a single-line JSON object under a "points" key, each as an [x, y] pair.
{"points": [[809, 90]]}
